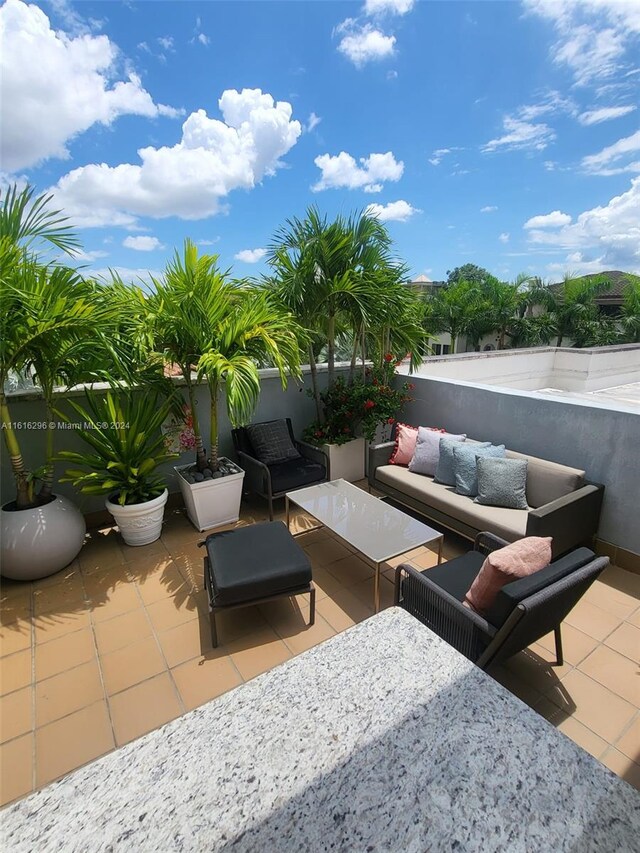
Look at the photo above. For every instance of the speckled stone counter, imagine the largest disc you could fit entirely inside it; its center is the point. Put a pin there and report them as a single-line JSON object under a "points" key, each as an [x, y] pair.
{"points": [[381, 739]]}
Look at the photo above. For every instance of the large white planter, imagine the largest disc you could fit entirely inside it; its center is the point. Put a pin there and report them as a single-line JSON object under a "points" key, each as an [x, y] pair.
{"points": [[346, 461], [139, 524], [212, 503], [39, 542]]}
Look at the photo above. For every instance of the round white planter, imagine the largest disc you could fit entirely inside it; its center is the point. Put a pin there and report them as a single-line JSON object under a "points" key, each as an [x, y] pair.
{"points": [[140, 524], [39, 542]]}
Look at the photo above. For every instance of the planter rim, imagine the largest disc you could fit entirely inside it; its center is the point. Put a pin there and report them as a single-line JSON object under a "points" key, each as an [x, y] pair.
{"points": [[133, 508]]}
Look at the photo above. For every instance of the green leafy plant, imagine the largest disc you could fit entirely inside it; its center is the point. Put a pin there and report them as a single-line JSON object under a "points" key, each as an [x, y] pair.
{"points": [[123, 431]]}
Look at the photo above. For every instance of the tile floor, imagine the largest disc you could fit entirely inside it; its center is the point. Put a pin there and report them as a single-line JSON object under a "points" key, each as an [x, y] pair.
{"points": [[118, 644]]}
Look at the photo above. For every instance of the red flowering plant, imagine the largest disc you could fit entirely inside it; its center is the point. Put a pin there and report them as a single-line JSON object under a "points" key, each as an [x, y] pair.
{"points": [[358, 409]]}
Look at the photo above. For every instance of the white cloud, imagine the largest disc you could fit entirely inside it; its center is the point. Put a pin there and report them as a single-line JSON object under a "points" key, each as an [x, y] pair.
{"points": [[208, 242], [166, 43], [604, 114], [313, 122], [343, 171], [595, 37], [504, 237], [364, 43], [607, 161], [191, 178], [490, 208], [392, 75], [520, 135], [140, 276], [204, 39], [548, 220], [87, 257], [142, 243], [250, 256], [438, 154], [608, 233], [393, 7], [54, 86], [394, 211]]}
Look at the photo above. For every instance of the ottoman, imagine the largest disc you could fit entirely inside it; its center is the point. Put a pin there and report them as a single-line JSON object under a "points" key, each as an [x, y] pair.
{"points": [[254, 564]]}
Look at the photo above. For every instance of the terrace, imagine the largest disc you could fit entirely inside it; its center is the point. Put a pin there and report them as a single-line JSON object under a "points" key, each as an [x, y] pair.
{"points": [[118, 644]]}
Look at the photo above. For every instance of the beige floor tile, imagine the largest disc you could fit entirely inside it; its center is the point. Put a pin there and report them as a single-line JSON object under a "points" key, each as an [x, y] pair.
{"points": [[16, 714], [187, 549], [16, 768], [170, 612], [350, 570], [70, 571], [75, 740], [343, 610], [525, 691], [67, 692], [407, 557], [192, 570], [186, 641], [50, 626], [122, 631], [15, 638], [614, 671], [100, 584], [256, 653], [15, 671], [624, 581], [622, 766], [120, 600], [592, 620], [142, 566], [138, 553], [15, 609], [576, 645], [307, 636], [365, 591], [593, 705], [583, 736], [64, 597], [426, 560], [634, 619], [626, 640], [202, 679], [326, 551], [310, 536], [145, 707], [537, 667], [99, 558], [167, 583], [62, 654], [16, 590], [131, 665], [629, 742], [610, 598], [326, 584]]}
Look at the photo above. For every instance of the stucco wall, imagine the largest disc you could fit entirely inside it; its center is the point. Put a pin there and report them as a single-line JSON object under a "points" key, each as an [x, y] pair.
{"points": [[603, 442]]}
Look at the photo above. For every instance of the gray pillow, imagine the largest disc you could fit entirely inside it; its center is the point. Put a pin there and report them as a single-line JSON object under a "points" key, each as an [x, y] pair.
{"points": [[444, 471], [427, 452], [502, 482], [271, 442], [464, 464]]}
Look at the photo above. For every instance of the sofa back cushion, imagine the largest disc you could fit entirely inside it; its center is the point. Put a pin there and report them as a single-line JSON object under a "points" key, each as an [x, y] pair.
{"points": [[548, 481], [517, 590]]}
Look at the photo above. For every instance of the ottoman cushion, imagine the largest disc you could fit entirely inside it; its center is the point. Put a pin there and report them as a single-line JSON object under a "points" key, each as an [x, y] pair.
{"points": [[255, 562]]}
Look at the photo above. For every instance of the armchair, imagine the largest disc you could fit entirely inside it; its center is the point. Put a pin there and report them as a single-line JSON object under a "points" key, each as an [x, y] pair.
{"points": [[275, 479], [524, 610]]}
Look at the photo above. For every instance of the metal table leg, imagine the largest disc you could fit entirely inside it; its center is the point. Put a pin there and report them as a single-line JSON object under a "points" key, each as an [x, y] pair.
{"points": [[376, 590], [286, 509]]}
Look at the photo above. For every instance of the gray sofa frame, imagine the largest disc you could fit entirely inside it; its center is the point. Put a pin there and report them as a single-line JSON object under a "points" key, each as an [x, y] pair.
{"points": [[571, 520]]}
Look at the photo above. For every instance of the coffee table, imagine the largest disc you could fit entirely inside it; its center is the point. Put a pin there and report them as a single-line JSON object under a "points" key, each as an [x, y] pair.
{"points": [[376, 530]]}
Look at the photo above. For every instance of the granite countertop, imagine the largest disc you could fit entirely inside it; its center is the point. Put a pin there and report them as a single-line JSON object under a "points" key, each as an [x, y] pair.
{"points": [[381, 739]]}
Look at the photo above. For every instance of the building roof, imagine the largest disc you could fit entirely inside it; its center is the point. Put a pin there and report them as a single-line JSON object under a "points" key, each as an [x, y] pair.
{"points": [[615, 292]]}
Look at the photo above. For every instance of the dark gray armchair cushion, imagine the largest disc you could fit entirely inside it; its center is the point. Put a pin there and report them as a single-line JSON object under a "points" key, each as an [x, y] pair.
{"points": [[290, 475], [271, 442]]}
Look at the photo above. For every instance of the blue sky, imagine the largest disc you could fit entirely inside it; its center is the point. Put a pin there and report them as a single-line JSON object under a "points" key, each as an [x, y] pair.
{"points": [[500, 133]]}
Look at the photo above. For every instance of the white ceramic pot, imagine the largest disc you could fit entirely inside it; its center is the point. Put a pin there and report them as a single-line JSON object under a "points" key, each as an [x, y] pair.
{"points": [[38, 542], [139, 524], [212, 503], [346, 461]]}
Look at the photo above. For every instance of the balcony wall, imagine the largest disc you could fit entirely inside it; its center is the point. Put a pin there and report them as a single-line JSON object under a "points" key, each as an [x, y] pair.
{"points": [[602, 441], [27, 408]]}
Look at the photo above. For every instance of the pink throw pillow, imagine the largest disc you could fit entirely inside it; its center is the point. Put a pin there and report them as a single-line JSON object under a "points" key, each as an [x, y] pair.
{"points": [[517, 560], [406, 437]]}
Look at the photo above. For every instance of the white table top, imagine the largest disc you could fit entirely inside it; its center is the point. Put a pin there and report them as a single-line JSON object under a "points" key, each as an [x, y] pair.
{"points": [[383, 738], [377, 530]]}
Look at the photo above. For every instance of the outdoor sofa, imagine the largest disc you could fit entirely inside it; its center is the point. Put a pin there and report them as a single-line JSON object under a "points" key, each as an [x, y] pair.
{"points": [[561, 502]]}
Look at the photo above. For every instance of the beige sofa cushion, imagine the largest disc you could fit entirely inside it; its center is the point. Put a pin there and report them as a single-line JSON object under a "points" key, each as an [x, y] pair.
{"points": [[509, 523], [548, 481]]}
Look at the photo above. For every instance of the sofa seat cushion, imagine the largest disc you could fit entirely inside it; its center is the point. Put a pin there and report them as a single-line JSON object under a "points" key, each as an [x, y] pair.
{"points": [[456, 576], [548, 481], [286, 476], [510, 524], [235, 573]]}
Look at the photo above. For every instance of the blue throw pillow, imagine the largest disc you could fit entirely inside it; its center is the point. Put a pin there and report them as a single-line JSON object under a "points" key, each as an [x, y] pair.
{"points": [[444, 470], [465, 458], [502, 482]]}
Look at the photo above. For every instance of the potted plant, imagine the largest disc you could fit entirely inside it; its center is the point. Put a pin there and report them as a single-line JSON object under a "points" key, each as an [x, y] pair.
{"points": [[51, 319], [217, 331], [124, 434]]}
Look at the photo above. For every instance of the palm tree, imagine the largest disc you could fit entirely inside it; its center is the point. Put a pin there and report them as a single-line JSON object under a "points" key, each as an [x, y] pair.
{"points": [[49, 321], [575, 306], [454, 309], [220, 329], [630, 313]]}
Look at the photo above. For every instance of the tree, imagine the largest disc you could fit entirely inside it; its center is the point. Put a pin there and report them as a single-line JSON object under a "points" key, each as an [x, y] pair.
{"points": [[575, 310], [219, 328], [468, 272], [630, 313], [453, 309]]}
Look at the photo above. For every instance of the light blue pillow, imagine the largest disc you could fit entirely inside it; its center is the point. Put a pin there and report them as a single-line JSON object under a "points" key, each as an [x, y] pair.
{"points": [[465, 458], [444, 470]]}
